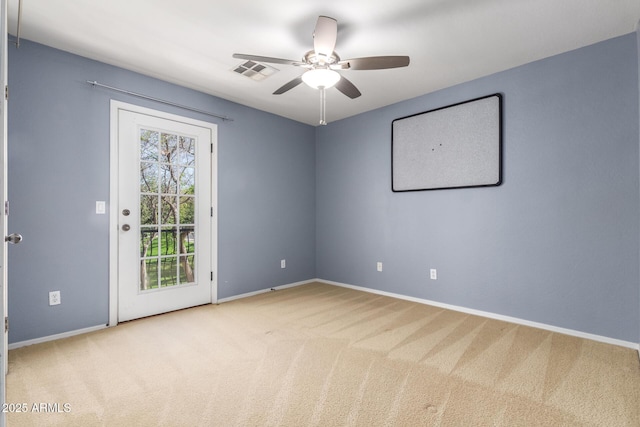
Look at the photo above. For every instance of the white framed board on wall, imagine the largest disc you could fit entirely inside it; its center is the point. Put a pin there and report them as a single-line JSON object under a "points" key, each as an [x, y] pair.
{"points": [[455, 146]]}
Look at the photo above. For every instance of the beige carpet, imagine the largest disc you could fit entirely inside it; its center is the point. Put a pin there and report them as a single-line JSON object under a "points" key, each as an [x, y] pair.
{"points": [[319, 355]]}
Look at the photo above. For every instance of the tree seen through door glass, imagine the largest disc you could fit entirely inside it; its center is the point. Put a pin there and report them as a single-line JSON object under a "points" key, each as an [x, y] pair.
{"points": [[149, 145], [167, 209]]}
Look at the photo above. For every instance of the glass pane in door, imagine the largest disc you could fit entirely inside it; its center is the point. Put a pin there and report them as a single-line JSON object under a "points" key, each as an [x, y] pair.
{"points": [[167, 204]]}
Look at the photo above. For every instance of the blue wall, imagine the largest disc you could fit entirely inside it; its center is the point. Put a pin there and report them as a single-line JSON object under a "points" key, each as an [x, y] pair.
{"points": [[59, 166], [556, 243]]}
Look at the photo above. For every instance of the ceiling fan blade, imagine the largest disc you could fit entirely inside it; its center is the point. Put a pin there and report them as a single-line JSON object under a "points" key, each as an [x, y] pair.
{"points": [[267, 59], [325, 36], [348, 88], [375, 62], [293, 83]]}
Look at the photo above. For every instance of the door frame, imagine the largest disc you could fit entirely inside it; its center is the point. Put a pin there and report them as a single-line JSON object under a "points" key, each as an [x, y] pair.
{"points": [[4, 345], [115, 106]]}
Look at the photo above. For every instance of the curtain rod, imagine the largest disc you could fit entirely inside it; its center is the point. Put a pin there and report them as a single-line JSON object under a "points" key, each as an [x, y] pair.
{"points": [[162, 101]]}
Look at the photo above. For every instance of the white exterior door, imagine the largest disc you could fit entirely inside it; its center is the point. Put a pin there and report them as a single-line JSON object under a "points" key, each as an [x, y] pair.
{"points": [[165, 212]]}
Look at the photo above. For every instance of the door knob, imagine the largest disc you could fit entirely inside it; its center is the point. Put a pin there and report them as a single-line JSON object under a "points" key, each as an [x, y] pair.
{"points": [[126, 227], [14, 238]]}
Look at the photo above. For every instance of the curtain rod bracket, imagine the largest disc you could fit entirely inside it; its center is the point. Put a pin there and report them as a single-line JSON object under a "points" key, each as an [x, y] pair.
{"points": [[162, 101]]}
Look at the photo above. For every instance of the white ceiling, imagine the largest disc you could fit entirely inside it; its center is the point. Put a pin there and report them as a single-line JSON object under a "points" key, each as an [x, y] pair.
{"points": [[191, 42]]}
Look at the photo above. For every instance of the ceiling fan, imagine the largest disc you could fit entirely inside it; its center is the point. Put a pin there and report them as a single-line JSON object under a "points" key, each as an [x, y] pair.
{"points": [[322, 63]]}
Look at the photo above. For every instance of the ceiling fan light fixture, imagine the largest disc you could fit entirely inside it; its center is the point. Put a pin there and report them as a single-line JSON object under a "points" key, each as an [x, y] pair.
{"points": [[321, 78]]}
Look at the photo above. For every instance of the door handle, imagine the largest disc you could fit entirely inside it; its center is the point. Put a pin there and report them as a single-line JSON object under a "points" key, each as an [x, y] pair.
{"points": [[126, 227], [14, 238]]}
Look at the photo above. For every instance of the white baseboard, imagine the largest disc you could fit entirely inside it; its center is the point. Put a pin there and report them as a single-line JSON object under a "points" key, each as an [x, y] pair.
{"points": [[489, 315], [486, 314], [262, 291], [19, 344]]}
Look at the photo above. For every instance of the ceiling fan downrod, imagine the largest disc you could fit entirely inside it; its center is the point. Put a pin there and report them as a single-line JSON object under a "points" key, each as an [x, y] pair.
{"points": [[323, 102]]}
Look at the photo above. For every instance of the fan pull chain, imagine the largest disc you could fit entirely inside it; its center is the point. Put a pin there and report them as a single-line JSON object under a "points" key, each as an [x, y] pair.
{"points": [[323, 101]]}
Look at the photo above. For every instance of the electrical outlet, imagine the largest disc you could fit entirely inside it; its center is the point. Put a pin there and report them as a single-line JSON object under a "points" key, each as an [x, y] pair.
{"points": [[433, 274], [379, 266], [54, 297], [283, 263]]}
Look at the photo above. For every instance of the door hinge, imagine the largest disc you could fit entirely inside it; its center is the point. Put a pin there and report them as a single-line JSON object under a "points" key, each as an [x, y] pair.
{"points": [[6, 92], [6, 324], [212, 211], [212, 276], [6, 208], [212, 147]]}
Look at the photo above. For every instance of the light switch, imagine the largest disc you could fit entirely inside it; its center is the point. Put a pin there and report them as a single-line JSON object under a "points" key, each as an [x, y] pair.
{"points": [[101, 207]]}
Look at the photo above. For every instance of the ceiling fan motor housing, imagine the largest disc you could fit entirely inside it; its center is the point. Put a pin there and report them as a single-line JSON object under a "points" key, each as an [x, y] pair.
{"points": [[315, 60]]}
